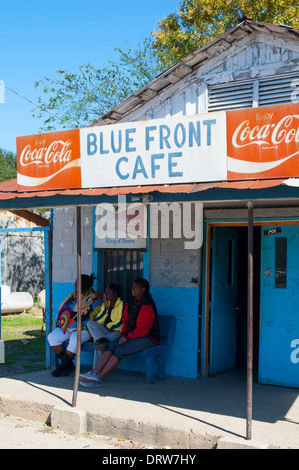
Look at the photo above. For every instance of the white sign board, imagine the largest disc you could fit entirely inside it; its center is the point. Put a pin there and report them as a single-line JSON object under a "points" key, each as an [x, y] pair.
{"points": [[174, 150]]}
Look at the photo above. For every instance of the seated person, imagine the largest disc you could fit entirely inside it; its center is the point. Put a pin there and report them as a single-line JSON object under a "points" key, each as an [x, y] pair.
{"points": [[65, 328], [108, 323], [140, 330]]}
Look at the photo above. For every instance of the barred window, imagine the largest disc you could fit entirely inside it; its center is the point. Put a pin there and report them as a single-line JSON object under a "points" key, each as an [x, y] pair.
{"points": [[122, 267]]}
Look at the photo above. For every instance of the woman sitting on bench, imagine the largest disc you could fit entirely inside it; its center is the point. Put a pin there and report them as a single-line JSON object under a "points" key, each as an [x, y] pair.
{"points": [[140, 330]]}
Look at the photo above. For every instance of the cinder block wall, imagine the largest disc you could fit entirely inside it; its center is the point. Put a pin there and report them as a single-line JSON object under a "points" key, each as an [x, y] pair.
{"points": [[65, 244]]}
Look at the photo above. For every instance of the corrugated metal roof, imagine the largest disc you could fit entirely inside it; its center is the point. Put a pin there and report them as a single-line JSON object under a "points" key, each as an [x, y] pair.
{"points": [[255, 184], [189, 64], [8, 189]]}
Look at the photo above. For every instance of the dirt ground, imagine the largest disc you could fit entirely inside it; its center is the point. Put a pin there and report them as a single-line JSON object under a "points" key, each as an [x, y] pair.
{"points": [[20, 433]]}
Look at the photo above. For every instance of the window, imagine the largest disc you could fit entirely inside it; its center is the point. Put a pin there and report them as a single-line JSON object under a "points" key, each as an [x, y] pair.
{"points": [[281, 262], [122, 267]]}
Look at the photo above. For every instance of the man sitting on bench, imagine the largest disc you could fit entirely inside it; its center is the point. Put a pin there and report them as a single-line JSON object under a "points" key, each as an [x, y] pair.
{"points": [[140, 330]]}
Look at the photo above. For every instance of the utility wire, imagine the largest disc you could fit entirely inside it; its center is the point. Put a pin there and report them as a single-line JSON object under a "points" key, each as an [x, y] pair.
{"points": [[31, 102]]}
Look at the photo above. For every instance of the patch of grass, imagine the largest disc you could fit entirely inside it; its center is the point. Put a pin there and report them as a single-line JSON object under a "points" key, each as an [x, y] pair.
{"points": [[25, 344]]}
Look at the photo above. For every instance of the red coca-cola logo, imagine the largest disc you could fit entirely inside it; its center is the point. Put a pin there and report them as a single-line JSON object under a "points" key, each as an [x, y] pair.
{"points": [[286, 130], [263, 142], [49, 161], [56, 152]]}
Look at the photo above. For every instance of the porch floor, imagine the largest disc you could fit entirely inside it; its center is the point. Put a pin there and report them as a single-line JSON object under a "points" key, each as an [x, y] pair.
{"points": [[178, 412]]}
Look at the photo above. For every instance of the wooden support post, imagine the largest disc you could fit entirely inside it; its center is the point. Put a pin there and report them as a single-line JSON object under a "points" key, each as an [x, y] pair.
{"points": [[79, 318], [249, 323]]}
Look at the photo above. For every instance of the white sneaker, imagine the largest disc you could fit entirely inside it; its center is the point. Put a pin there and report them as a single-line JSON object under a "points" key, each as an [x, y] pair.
{"points": [[90, 384], [90, 379], [90, 376]]}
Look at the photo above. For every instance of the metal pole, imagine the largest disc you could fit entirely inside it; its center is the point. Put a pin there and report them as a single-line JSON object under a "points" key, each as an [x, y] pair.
{"points": [[79, 319], [249, 322]]}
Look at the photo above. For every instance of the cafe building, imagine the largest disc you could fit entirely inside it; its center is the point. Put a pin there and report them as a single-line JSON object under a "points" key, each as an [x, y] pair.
{"points": [[192, 183]]}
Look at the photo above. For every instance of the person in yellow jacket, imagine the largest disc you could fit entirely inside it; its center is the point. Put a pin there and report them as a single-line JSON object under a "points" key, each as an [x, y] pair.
{"points": [[108, 322]]}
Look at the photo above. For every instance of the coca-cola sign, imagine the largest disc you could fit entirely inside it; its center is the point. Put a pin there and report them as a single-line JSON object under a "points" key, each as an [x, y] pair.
{"points": [[255, 143], [49, 161], [263, 142]]}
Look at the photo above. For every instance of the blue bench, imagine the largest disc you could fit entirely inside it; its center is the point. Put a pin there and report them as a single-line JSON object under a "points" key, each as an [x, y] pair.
{"points": [[161, 351]]}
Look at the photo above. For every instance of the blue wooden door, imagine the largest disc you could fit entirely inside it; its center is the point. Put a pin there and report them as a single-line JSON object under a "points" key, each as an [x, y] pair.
{"points": [[279, 306], [223, 328]]}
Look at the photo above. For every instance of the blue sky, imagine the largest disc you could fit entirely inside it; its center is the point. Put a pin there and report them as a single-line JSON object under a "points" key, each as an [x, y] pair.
{"points": [[39, 37]]}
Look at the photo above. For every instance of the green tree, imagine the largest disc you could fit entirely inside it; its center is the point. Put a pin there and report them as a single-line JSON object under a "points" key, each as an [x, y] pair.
{"points": [[76, 99], [197, 22], [8, 165]]}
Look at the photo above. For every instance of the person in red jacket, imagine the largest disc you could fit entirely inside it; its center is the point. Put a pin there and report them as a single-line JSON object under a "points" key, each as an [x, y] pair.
{"points": [[140, 330]]}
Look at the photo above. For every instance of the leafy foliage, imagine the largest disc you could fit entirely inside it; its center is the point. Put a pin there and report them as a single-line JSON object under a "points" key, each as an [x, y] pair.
{"points": [[8, 165], [75, 99], [197, 22]]}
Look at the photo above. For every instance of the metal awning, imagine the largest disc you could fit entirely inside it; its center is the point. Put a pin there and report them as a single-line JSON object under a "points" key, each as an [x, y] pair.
{"points": [[8, 189]]}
